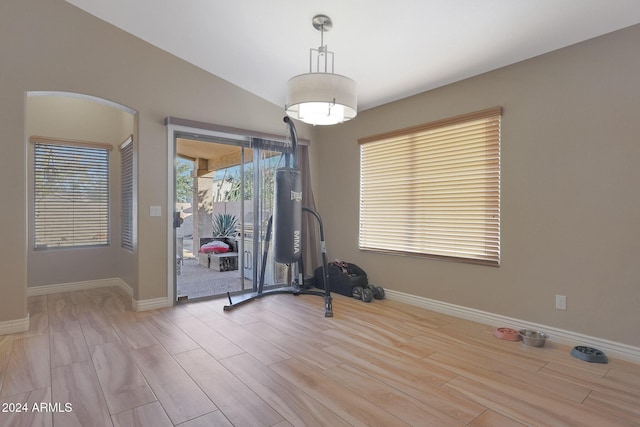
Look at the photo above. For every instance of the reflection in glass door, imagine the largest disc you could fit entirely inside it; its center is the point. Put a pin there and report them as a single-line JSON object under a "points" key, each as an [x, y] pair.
{"points": [[265, 162]]}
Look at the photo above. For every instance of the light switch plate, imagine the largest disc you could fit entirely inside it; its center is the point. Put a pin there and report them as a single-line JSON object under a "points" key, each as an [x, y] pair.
{"points": [[155, 211]]}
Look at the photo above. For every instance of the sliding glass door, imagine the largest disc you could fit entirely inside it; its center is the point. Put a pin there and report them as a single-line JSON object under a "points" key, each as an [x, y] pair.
{"points": [[223, 201]]}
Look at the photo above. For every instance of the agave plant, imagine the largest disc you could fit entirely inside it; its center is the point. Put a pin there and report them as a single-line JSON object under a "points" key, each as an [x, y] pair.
{"points": [[224, 225]]}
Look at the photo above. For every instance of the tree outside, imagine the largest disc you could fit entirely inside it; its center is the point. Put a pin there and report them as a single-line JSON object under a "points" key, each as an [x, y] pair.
{"points": [[184, 181]]}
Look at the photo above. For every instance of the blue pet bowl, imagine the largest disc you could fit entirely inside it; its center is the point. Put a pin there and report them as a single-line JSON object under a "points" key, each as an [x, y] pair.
{"points": [[589, 354]]}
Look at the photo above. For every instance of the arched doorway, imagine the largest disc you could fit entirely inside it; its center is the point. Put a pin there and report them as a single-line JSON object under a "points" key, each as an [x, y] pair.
{"points": [[55, 256]]}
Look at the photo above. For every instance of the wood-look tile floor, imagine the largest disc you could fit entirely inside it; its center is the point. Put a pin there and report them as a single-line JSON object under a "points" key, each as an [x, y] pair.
{"points": [[89, 360]]}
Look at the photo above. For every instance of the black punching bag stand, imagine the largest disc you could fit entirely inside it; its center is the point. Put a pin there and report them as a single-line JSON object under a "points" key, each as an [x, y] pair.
{"points": [[286, 225]]}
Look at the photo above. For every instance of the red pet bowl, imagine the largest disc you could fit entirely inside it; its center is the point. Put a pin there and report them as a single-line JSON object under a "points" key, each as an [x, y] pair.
{"points": [[507, 334]]}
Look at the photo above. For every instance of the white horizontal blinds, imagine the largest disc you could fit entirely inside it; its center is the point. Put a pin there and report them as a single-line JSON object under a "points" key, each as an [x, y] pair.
{"points": [[434, 190], [126, 194], [71, 194]]}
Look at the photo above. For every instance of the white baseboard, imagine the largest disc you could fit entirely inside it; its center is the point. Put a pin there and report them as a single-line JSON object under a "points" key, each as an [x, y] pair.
{"points": [[142, 305], [14, 326], [126, 288], [78, 286], [611, 348], [150, 304]]}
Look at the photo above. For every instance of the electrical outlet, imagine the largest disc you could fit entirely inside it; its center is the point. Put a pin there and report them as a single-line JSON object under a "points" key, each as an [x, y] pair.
{"points": [[561, 302]]}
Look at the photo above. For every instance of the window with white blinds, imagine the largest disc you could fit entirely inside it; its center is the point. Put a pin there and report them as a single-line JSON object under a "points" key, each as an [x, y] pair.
{"points": [[126, 194], [70, 194], [434, 190]]}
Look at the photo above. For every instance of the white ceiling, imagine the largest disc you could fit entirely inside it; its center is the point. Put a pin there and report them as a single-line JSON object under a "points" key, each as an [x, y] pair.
{"points": [[391, 48]]}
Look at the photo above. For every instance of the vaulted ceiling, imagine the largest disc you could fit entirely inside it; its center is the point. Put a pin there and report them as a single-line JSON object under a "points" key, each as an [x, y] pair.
{"points": [[392, 49]]}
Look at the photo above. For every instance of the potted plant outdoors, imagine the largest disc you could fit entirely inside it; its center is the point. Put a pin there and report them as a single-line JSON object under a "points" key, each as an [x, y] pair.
{"points": [[224, 227]]}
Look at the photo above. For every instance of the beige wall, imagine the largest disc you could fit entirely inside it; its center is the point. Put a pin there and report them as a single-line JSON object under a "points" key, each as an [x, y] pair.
{"points": [[83, 120], [570, 198], [53, 46]]}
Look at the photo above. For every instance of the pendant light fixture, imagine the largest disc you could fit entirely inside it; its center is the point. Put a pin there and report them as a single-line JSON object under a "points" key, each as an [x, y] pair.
{"points": [[321, 97]]}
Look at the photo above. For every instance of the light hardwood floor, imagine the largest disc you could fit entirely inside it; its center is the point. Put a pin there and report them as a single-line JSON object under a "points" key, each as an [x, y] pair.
{"points": [[278, 362]]}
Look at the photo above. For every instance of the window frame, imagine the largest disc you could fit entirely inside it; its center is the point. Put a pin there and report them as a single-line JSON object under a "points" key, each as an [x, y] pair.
{"points": [[450, 186], [74, 156], [127, 194]]}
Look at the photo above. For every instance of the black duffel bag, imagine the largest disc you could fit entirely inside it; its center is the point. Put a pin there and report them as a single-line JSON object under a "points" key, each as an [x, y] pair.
{"points": [[343, 277]]}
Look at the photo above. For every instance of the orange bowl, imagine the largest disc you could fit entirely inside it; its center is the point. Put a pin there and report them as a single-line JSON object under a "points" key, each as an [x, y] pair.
{"points": [[507, 334]]}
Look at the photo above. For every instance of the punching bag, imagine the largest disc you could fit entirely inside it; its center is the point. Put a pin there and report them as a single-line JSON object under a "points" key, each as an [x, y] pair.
{"points": [[287, 209], [287, 216]]}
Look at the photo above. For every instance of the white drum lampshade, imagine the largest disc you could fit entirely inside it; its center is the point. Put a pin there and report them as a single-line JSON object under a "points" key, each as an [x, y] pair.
{"points": [[321, 98]]}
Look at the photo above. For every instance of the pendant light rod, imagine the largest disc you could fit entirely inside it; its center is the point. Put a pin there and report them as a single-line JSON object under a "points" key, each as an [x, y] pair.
{"points": [[321, 23]]}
